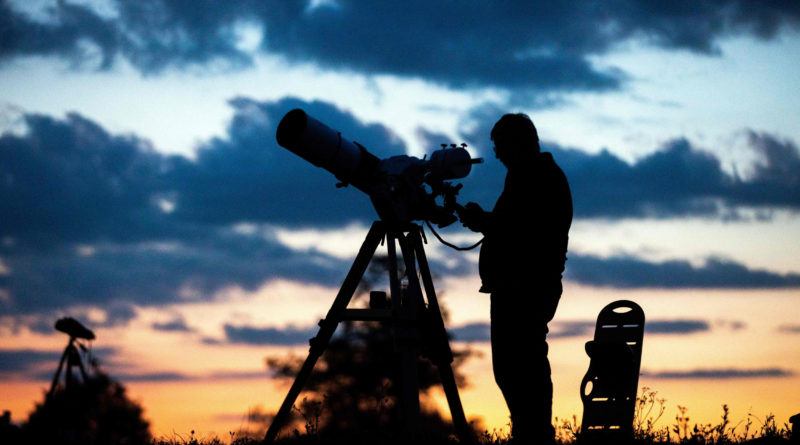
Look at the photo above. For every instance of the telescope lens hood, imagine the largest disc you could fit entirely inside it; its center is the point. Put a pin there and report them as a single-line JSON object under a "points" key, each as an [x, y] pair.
{"points": [[291, 128]]}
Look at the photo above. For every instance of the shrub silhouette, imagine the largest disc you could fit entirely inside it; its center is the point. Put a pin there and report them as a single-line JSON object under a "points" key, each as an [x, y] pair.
{"points": [[97, 411], [353, 389]]}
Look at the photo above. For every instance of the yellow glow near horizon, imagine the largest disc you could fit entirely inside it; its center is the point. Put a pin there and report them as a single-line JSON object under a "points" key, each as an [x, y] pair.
{"points": [[743, 335]]}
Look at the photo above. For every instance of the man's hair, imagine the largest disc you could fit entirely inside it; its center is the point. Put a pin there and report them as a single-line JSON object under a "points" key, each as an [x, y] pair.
{"points": [[519, 128]]}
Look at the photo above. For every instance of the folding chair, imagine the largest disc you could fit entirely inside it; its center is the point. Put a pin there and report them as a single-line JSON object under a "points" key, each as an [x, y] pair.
{"points": [[608, 390]]}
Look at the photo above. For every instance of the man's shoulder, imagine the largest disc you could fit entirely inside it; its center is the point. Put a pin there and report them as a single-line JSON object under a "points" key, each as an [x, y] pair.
{"points": [[546, 159], [548, 164]]}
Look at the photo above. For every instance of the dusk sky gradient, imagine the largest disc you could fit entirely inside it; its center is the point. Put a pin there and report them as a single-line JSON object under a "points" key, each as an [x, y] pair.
{"points": [[142, 190]]}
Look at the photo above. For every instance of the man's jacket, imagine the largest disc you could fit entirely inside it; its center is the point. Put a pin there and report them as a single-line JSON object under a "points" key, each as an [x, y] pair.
{"points": [[525, 241]]}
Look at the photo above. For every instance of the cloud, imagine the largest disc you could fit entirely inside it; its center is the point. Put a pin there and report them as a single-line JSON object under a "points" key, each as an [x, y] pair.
{"points": [[539, 46], [719, 374], [248, 177], [732, 325], [150, 275], [680, 180], [776, 179], [73, 32], [170, 376], [156, 377], [71, 181], [472, 332], [39, 365], [481, 332], [632, 272], [570, 329], [21, 360], [289, 336], [177, 324], [676, 180], [676, 326], [97, 220], [236, 375], [789, 328]]}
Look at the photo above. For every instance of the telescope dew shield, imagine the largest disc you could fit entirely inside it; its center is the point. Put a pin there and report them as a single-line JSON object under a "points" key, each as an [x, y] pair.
{"points": [[326, 148]]}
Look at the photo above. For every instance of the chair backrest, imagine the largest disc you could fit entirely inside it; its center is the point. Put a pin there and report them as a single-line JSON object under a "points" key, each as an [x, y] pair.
{"points": [[608, 390]]}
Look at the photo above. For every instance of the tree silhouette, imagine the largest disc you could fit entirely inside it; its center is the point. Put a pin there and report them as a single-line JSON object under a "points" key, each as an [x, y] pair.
{"points": [[97, 411], [352, 392]]}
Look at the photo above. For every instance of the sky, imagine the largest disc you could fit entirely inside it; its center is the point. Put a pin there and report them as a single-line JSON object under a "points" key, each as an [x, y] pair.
{"points": [[143, 193]]}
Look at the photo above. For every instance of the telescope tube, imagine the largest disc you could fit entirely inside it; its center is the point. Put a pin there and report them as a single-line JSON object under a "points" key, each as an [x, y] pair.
{"points": [[324, 147]]}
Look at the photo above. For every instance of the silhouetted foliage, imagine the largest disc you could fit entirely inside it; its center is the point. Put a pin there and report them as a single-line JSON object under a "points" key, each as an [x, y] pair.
{"points": [[97, 411], [352, 392], [9, 433]]}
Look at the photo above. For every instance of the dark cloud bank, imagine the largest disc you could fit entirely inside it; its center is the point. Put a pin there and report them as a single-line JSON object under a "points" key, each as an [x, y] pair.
{"points": [[289, 336], [471, 332], [28, 364], [480, 332], [91, 218], [541, 46], [718, 374], [35, 365], [15, 361]]}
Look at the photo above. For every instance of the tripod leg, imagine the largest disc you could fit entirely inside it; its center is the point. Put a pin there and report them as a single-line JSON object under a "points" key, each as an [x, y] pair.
{"points": [[443, 355], [328, 326], [58, 371], [70, 364], [408, 335], [79, 361]]}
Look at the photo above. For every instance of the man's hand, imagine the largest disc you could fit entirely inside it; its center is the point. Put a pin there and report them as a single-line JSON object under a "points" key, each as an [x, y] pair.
{"points": [[473, 217]]}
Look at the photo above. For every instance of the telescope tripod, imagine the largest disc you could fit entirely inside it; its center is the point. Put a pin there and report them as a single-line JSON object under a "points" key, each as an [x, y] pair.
{"points": [[71, 358], [414, 325]]}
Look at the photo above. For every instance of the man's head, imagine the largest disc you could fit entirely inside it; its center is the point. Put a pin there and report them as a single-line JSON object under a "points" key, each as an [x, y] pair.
{"points": [[515, 139]]}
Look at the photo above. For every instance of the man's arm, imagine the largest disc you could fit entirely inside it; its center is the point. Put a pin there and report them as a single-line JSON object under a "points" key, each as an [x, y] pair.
{"points": [[474, 218]]}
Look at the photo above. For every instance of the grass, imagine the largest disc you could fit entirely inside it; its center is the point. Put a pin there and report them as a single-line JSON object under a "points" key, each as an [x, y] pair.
{"points": [[650, 408], [647, 418]]}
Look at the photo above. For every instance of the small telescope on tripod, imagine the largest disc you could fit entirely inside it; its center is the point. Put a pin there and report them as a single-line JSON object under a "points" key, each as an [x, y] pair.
{"points": [[71, 358], [403, 189]]}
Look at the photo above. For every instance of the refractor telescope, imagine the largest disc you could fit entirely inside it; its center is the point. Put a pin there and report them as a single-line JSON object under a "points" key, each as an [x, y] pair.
{"points": [[74, 328], [402, 188]]}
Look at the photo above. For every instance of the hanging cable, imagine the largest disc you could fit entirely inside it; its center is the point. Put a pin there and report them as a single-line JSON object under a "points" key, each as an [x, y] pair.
{"points": [[452, 246]]}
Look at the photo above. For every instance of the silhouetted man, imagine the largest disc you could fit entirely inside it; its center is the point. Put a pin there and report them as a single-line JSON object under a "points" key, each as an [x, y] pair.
{"points": [[521, 262]]}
